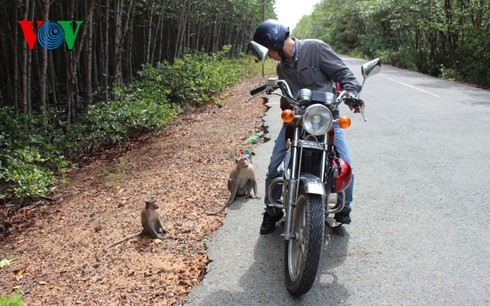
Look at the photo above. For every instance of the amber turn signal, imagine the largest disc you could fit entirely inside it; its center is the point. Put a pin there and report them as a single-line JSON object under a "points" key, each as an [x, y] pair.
{"points": [[287, 116], [344, 122]]}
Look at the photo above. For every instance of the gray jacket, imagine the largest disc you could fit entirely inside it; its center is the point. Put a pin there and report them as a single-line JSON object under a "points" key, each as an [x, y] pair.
{"points": [[316, 66]]}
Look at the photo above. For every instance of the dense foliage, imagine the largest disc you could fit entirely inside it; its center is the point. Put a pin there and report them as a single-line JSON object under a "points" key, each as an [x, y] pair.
{"points": [[133, 66], [445, 38], [35, 148]]}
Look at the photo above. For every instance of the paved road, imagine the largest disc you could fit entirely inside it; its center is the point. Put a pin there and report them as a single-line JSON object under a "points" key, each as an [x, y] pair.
{"points": [[421, 220]]}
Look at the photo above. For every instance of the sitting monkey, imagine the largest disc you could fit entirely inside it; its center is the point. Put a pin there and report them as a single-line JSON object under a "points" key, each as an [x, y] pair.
{"points": [[151, 221], [241, 181]]}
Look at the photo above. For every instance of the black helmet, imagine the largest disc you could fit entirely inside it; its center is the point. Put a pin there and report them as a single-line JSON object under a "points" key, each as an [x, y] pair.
{"points": [[271, 34]]}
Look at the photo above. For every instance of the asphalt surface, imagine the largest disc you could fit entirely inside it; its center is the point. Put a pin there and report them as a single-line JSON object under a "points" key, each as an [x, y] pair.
{"points": [[420, 233]]}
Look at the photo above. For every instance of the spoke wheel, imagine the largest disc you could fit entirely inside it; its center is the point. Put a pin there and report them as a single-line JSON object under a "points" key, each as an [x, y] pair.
{"points": [[304, 250]]}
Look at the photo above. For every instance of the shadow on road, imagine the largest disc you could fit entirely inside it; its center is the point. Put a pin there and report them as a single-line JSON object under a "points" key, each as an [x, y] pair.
{"points": [[263, 283]]}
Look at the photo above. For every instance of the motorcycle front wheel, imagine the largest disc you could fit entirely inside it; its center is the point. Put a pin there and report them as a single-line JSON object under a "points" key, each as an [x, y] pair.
{"points": [[302, 253]]}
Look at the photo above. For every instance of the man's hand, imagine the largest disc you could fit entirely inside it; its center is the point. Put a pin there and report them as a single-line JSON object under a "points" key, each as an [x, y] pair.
{"points": [[356, 105], [359, 108]]}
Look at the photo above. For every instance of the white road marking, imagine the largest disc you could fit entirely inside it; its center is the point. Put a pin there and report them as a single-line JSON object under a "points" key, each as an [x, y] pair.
{"points": [[413, 87]]}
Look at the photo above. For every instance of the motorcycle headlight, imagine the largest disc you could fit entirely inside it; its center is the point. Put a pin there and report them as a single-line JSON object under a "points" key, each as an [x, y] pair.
{"points": [[317, 120]]}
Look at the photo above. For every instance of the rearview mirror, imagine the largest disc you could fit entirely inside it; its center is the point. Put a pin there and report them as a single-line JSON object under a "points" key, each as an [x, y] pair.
{"points": [[256, 51], [371, 68]]}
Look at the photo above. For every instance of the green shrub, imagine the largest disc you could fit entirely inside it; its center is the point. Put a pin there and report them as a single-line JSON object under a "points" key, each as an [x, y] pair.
{"points": [[403, 57], [121, 119], [12, 300], [194, 78], [447, 73], [36, 148], [25, 175], [29, 157]]}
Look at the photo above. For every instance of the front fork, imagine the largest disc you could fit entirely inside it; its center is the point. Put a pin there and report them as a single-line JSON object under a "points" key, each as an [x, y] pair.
{"points": [[290, 194]]}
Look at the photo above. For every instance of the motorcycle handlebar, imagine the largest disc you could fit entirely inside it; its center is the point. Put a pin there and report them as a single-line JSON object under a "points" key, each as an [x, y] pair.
{"points": [[258, 90], [344, 96]]}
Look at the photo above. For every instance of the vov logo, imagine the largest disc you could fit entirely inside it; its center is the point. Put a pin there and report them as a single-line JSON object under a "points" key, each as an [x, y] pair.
{"points": [[50, 35]]}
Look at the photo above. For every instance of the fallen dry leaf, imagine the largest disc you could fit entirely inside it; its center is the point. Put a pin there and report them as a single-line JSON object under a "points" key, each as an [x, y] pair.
{"points": [[20, 273]]}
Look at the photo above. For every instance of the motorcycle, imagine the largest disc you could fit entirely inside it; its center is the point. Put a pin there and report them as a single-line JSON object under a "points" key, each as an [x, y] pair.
{"points": [[313, 174]]}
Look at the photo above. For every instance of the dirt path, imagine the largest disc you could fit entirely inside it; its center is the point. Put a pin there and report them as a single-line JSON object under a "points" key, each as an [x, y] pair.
{"points": [[185, 167]]}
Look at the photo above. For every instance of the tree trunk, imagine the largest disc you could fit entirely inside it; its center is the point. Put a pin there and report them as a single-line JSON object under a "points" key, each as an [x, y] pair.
{"points": [[105, 58], [150, 27], [162, 33], [120, 37], [157, 31], [16, 61], [179, 45], [96, 43], [130, 50], [44, 65], [451, 34], [89, 52], [54, 90], [25, 52]]}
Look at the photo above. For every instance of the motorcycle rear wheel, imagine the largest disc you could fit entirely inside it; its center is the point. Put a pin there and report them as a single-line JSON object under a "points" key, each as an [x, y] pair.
{"points": [[302, 253]]}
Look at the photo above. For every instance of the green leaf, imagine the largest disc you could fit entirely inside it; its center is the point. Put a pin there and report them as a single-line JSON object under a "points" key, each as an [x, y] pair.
{"points": [[5, 262]]}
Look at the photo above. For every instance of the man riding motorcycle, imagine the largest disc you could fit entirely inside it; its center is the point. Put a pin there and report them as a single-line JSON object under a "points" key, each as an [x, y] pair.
{"points": [[311, 64]]}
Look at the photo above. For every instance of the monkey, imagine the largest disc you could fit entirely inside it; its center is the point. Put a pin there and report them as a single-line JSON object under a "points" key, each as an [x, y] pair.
{"points": [[152, 223], [241, 181]]}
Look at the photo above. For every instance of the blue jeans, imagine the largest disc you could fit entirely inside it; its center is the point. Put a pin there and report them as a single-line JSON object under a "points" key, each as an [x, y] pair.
{"points": [[278, 154]]}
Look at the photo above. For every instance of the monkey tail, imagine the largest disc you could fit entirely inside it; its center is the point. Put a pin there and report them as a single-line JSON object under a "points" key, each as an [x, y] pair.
{"points": [[212, 213], [124, 239]]}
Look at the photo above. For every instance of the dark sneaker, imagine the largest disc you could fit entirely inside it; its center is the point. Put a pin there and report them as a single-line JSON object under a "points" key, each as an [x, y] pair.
{"points": [[269, 223], [343, 216]]}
